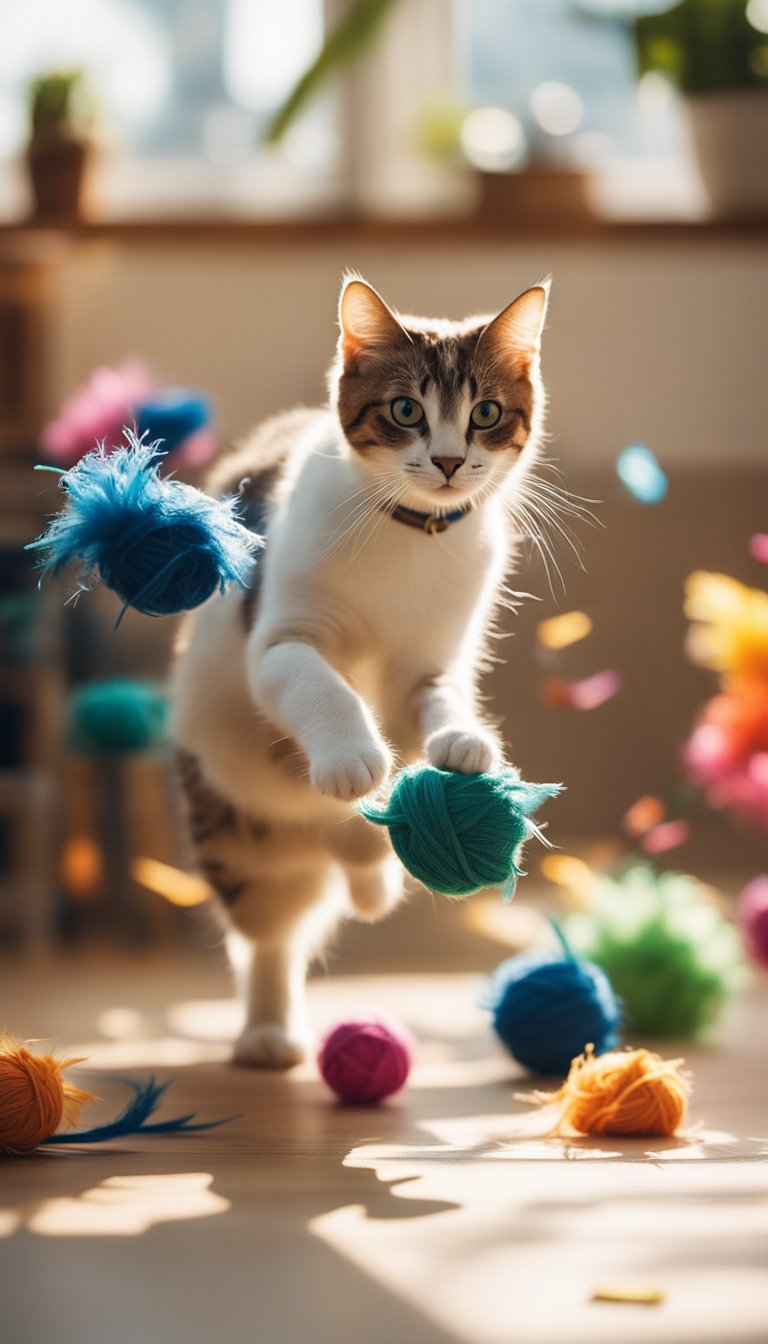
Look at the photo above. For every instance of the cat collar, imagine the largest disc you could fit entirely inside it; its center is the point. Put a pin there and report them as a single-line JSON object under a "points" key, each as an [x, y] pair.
{"points": [[431, 523]]}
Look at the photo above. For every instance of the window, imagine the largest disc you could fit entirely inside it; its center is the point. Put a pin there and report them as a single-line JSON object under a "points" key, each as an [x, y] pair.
{"points": [[187, 82], [187, 89], [566, 69]]}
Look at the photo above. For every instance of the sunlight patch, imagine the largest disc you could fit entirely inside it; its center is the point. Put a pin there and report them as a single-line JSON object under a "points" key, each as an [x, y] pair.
{"points": [[127, 1206]]}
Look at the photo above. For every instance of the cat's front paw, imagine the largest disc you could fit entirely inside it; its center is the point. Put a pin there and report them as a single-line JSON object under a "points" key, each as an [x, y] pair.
{"points": [[470, 751], [350, 771], [267, 1045]]}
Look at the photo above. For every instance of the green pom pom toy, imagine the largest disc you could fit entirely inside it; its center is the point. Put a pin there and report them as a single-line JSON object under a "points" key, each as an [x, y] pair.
{"points": [[670, 955], [460, 833], [108, 718]]}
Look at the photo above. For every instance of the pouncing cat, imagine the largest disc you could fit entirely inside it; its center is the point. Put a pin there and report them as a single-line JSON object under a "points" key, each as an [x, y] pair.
{"points": [[389, 519]]}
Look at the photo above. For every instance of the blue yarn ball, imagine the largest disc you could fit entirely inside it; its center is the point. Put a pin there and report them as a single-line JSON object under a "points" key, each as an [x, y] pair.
{"points": [[172, 416], [161, 545], [460, 833], [547, 1008]]}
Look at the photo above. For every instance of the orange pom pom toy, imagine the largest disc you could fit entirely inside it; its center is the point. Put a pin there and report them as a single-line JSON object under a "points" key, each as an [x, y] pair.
{"points": [[34, 1098], [630, 1092]]}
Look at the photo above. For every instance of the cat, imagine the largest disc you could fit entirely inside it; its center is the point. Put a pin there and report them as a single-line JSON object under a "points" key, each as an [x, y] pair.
{"points": [[359, 646]]}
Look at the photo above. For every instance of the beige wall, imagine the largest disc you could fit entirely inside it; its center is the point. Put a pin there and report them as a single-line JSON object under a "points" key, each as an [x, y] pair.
{"points": [[662, 343]]}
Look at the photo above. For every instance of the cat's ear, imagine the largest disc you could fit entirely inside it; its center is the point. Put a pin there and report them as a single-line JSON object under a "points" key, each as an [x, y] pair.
{"points": [[367, 324], [515, 335]]}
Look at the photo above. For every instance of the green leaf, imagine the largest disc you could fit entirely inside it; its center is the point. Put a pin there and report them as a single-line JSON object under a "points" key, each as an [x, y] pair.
{"points": [[348, 40]]}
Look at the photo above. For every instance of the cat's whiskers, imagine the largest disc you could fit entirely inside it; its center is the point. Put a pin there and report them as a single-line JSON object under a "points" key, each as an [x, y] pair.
{"points": [[527, 525], [378, 477], [374, 499], [549, 517], [384, 507], [564, 500]]}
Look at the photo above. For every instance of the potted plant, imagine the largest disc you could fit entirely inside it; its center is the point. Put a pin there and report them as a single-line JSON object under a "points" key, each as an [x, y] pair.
{"points": [[716, 53], [59, 145]]}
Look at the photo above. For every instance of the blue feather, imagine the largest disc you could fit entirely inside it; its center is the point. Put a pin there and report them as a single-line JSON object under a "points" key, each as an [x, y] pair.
{"points": [[132, 1119], [161, 545]]}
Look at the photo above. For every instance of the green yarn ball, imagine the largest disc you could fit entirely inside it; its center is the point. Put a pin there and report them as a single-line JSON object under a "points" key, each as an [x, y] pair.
{"points": [[460, 833], [670, 955], [109, 718]]}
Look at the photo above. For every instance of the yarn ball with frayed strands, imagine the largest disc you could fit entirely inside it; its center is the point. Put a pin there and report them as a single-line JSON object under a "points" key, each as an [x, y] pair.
{"points": [[547, 1007], [459, 834], [35, 1099], [634, 1093], [161, 545]]}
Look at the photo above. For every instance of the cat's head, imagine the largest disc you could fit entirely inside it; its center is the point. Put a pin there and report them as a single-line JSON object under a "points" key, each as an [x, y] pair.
{"points": [[440, 412]]}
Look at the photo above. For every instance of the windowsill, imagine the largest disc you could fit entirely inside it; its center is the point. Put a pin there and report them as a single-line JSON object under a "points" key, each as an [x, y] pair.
{"points": [[630, 200], [346, 227]]}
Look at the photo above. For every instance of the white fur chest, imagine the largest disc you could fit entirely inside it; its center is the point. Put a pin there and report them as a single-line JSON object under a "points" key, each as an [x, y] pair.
{"points": [[372, 589]]}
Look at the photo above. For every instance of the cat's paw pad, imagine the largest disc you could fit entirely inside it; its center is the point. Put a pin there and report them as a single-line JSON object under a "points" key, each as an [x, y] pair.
{"points": [[267, 1045], [375, 892], [469, 751], [352, 770]]}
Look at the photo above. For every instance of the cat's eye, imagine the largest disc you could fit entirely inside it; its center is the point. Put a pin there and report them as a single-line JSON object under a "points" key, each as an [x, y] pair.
{"points": [[406, 411], [485, 414]]}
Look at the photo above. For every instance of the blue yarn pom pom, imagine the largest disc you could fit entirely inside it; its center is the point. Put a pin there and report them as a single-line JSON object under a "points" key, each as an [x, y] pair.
{"points": [[460, 833], [547, 1007], [162, 546], [172, 416]]}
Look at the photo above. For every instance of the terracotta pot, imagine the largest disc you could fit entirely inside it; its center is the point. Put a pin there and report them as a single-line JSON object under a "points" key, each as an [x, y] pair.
{"points": [[536, 194], [57, 172], [730, 136]]}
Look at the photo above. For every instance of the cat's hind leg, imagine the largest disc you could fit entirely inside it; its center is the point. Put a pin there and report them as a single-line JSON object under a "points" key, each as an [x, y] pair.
{"points": [[374, 874], [278, 895], [280, 920]]}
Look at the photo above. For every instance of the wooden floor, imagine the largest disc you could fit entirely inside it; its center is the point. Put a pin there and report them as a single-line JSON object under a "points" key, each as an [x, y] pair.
{"points": [[431, 1220]]}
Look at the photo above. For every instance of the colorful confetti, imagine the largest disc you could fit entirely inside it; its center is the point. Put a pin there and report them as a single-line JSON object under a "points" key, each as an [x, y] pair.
{"points": [[560, 631], [177, 887], [669, 835], [576, 876], [640, 1296], [587, 694], [758, 547], [641, 474], [81, 867], [643, 815]]}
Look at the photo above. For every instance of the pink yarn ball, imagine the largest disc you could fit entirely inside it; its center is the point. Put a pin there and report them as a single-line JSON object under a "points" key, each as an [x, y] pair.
{"points": [[366, 1060], [753, 916]]}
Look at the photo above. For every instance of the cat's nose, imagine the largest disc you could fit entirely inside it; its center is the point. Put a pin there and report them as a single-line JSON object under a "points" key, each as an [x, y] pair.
{"points": [[448, 465]]}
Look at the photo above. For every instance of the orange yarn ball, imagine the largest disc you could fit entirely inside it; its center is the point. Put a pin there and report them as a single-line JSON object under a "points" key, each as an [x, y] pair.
{"points": [[34, 1098], [632, 1092]]}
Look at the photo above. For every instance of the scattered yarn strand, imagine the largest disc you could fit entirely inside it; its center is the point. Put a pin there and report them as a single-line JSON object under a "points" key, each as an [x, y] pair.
{"points": [[629, 1092]]}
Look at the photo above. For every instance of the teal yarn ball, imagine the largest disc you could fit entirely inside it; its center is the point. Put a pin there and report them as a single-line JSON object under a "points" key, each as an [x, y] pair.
{"points": [[111, 718], [547, 1008], [460, 833], [670, 953]]}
